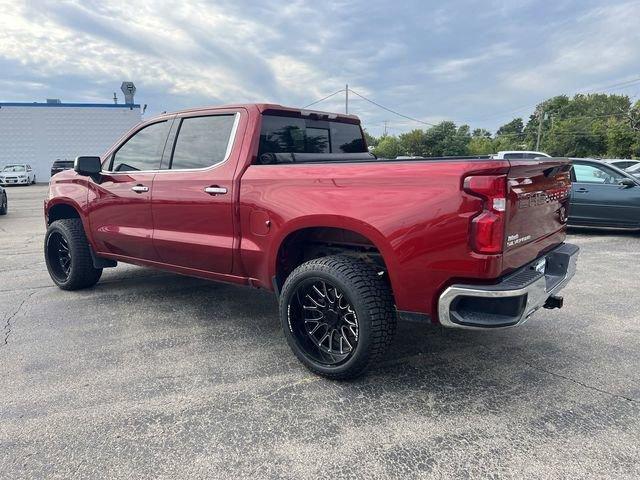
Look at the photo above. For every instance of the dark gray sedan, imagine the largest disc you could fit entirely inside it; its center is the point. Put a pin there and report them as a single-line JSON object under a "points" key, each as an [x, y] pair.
{"points": [[603, 196]]}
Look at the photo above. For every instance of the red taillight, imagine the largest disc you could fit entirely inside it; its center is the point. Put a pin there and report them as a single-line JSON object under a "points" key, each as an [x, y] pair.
{"points": [[487, 228]]}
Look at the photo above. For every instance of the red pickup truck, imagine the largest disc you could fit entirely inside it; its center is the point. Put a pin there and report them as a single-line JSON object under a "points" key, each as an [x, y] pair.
{"points": [[292, 201]]}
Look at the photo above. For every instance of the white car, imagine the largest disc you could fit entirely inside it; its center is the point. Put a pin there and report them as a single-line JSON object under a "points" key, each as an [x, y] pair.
{"points": [[17, 174], [517, 154], [621, 163]]}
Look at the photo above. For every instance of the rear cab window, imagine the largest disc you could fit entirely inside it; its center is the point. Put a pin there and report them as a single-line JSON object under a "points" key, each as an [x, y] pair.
{"points": [[285, 134]]}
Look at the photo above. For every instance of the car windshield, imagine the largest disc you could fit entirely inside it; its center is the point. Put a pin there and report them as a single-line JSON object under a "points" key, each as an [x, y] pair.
{"points": [[14, 168], [635, 169]]}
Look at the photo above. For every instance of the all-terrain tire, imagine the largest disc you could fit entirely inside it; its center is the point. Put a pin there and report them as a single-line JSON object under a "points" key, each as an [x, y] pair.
{"points": [[371, 299], [82, 273]]}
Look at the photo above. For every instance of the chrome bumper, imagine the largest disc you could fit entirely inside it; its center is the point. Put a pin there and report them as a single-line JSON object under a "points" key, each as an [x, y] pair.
{"points": [[513, 300]]}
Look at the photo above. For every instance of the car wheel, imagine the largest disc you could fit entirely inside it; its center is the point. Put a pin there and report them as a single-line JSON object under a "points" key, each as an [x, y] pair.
{"points": [[68, 257], [4, 205], [337, 315]]}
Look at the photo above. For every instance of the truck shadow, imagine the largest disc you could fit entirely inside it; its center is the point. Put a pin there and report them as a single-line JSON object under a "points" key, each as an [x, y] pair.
{"points": [[423, 360]]}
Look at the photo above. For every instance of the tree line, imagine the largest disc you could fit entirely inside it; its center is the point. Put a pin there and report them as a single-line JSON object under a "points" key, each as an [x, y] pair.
{"points": [[587, 125]]}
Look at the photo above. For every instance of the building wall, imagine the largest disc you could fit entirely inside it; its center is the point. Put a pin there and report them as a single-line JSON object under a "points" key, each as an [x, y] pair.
{"points": [[38, 134]]}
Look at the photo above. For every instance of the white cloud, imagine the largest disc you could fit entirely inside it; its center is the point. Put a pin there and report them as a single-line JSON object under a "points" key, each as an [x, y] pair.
{"points": [[459, 68], [601, 42]]}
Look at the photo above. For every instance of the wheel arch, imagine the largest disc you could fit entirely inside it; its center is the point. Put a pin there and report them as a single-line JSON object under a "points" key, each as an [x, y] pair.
{"points": [[335, 232], [61, 208]]}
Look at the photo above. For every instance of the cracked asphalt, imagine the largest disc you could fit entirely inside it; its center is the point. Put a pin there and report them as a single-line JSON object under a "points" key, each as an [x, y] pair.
{"points": [[153, 375]]}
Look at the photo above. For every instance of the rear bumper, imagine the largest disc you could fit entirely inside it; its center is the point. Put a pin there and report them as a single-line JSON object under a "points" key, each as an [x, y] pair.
{"points": [[513, 300]]}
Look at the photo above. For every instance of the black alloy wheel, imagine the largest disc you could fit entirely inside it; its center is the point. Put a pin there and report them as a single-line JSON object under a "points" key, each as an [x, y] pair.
{"points": [[337, 314], [68, 255], [59, 256], [324, 322]]}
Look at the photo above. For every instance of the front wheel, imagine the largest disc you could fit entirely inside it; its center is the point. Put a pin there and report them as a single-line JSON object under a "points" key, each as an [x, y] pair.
{"points": [[67, 254], [337, 315]]}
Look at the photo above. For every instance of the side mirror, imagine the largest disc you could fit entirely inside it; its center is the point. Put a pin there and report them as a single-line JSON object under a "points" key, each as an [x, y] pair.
{"points": [[88, 166], [627, 183]]}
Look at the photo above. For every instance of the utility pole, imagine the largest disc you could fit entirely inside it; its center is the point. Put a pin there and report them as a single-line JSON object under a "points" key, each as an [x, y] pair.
{"points": [[540, 117], [346, 99], [385, 128]]}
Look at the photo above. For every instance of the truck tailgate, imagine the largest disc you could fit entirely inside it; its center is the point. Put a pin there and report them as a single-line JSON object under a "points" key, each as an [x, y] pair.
{"points": [[537, 206]]}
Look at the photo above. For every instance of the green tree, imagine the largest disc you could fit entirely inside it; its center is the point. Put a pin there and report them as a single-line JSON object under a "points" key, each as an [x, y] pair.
{"points": [[620, 139], [413, 143], [445, 139], [481, 146], [480, 133], [371, 140], [388, 147], [510, 136]]}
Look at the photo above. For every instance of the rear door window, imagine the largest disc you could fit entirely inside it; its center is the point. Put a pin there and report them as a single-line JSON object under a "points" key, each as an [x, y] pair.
{"points": [[280, 134], [202, 141], [143, 151]]}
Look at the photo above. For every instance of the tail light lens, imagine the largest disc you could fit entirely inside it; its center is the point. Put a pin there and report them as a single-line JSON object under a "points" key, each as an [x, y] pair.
{"points": [[487, 228]]}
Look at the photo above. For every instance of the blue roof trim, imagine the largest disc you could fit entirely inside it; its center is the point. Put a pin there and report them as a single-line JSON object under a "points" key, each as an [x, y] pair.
{"points": [[92, 105]]}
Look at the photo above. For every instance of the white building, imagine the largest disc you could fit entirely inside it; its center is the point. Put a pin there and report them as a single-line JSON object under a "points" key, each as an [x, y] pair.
{"points": [[39, 133]]}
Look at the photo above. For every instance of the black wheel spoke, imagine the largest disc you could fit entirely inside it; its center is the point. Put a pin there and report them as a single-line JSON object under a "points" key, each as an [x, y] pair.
{"points": [[326, 323], [59, 255]]}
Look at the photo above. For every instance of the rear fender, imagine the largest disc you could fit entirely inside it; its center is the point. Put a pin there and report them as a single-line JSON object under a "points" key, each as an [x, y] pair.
{"points": [[334, 221]]}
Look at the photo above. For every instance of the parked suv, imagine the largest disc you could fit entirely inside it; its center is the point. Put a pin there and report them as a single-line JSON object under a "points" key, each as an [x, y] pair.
{"points": [[61, 165], [291, 201]]}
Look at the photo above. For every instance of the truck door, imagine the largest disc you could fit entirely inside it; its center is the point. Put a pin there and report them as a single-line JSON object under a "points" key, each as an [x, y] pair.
{"points": [[120, 203], [193, 193], [597, 198]]}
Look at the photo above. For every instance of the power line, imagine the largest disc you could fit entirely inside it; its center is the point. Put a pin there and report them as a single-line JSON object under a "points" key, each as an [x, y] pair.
{"points": [[392, 111], [324, 98]]}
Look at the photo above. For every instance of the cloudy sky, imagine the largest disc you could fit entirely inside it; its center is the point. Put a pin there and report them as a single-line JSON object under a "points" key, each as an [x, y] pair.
{"points": [[476, 62]]}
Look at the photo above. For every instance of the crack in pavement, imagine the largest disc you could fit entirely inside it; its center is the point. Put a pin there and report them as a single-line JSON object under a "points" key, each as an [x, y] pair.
{"points": [[8, 326], [577, 382]]}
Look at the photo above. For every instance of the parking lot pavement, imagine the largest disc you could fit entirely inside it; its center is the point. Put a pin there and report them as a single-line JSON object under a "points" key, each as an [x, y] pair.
{"points": [[150, 374]]}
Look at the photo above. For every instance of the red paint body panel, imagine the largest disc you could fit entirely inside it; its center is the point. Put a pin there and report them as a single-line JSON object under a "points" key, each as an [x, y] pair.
{"points": [[415, 212], [120, 219]]}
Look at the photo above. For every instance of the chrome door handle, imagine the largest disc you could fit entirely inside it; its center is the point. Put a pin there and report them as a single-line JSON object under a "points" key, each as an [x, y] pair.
{"points": [[140, 188], [215, 190]]}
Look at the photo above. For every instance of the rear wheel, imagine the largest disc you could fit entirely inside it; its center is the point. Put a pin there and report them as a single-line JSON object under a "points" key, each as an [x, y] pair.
{"points": [[4, 206], [68, 257], [337, 315]]}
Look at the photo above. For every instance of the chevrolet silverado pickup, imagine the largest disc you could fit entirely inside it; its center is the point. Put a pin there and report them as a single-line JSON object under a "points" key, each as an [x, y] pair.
{"points": [[291, 201]]}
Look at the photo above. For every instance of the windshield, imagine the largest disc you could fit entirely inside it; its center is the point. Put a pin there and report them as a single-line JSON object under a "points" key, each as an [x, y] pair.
{"points": [[14, 168]]}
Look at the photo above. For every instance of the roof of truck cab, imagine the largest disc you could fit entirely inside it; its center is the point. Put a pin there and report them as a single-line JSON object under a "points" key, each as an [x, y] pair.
{"points": [[264, 107]]}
